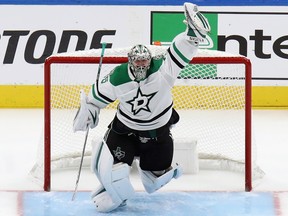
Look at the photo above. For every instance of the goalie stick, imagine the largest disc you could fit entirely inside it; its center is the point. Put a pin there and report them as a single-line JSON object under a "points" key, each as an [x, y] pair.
{"points": [[87, 132]]}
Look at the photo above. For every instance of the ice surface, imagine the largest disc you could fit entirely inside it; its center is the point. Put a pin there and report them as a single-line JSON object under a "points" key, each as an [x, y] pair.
{"points": [[21, 132]]}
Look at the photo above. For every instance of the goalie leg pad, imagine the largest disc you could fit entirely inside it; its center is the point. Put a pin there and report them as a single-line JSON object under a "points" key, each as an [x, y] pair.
{"points": [[116, 186], [102, 200], [153, 183]]}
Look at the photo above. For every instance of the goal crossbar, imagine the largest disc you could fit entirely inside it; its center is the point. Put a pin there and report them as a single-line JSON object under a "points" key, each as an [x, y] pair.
{"points": [[113, 60]]}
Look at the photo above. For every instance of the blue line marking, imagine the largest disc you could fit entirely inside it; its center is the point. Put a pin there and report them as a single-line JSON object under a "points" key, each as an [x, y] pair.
{"points": [[159, 203]]}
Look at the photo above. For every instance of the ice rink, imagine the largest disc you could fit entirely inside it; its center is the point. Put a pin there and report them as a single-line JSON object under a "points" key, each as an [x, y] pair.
{"points": [[189, 195]]}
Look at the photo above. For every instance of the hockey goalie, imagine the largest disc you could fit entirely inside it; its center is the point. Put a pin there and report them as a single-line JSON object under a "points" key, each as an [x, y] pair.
{"points": [[140, 129]]}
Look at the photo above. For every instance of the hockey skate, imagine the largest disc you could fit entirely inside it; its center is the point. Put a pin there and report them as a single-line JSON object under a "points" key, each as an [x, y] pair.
{"points": [[198, 25]]}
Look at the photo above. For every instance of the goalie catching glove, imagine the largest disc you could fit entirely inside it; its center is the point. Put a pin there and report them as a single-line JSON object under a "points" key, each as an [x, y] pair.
{"points": [[87, 115], [198, 25]]}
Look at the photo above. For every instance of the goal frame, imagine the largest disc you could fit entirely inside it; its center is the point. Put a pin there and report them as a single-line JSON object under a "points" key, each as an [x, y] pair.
{"points": [[110, 60]]}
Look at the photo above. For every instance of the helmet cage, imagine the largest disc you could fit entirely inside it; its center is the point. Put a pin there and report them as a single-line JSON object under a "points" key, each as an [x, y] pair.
{"points": [[139, 53]]}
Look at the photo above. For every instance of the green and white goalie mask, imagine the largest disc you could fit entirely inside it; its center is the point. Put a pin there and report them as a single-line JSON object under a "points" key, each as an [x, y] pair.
{"points": [[139, 59]]}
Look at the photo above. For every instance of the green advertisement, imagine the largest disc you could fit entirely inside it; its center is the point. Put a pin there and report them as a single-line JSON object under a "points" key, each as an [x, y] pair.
{"points": [[166, 25]]}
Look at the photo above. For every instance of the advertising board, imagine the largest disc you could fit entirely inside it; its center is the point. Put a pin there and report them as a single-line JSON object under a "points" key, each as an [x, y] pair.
{"points": [[31, 33]]}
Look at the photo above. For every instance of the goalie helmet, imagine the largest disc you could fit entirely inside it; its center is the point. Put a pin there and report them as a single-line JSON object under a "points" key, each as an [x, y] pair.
{"points": [[139, 59]]}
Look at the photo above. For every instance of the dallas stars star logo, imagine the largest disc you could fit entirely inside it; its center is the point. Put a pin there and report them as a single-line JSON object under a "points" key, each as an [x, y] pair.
{"points": [[140, 102], [119, 154]]}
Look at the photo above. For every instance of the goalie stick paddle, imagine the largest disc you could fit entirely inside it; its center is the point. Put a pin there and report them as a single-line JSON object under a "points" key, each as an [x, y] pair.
{"points": [[87, 132]]}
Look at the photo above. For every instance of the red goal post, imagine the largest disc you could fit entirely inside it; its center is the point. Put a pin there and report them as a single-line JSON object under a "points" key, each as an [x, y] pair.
{"points": [[205, 57]]}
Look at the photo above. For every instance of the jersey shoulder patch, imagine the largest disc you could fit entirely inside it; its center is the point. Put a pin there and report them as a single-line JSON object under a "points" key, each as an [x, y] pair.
{"points": [[155, 64], [120, 75]]}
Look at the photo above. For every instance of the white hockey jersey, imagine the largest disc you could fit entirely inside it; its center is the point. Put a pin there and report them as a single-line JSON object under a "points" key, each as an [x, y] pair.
{"points": [[145, 105]]}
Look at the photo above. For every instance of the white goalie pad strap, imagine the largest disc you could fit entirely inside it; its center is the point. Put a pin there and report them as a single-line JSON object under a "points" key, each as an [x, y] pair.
{"points": [[114, 179], [153, 183]]}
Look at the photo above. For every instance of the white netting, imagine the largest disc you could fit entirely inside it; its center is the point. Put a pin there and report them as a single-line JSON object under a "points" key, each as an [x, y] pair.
{"points": [[210, 99]]}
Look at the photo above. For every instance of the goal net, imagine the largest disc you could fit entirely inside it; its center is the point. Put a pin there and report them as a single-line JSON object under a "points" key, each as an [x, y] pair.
{"points": [[212, 95]]}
